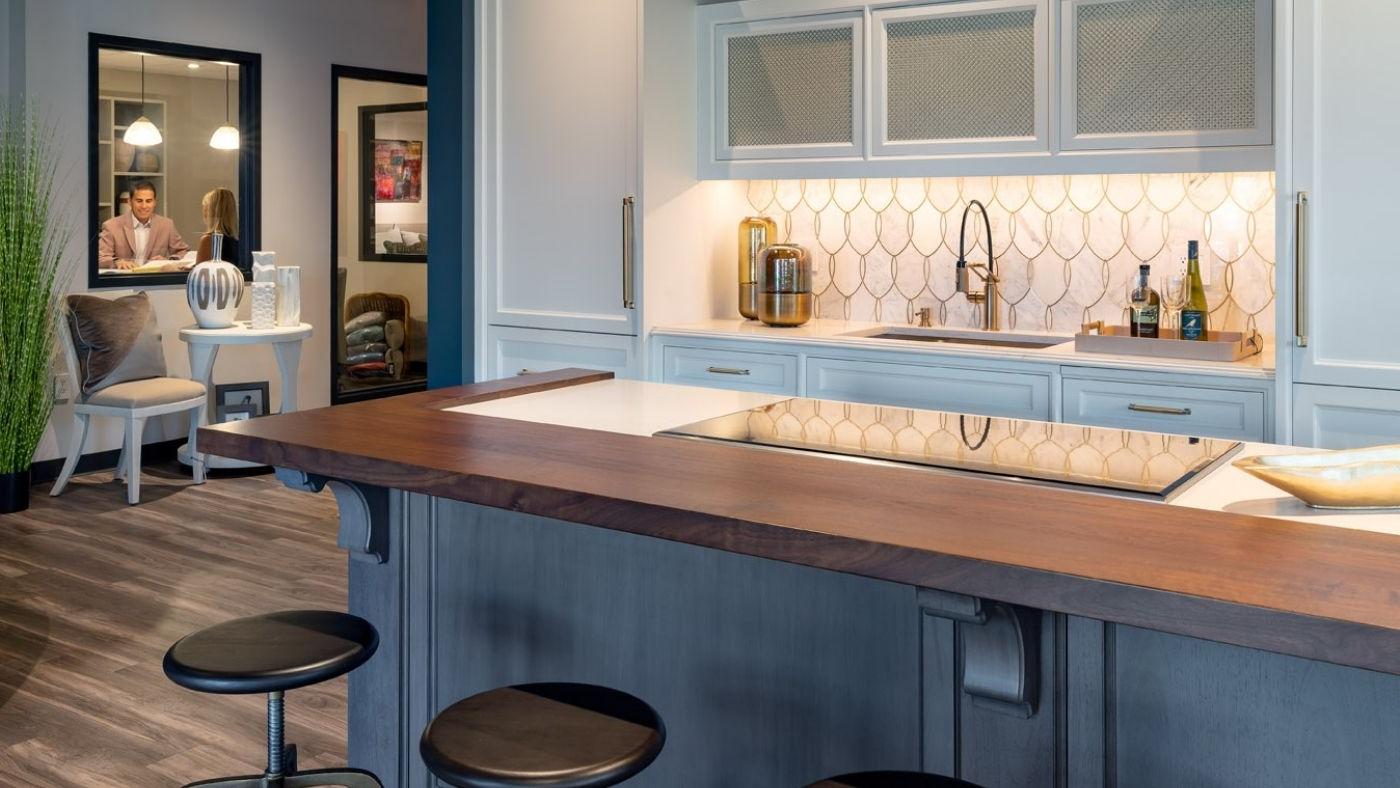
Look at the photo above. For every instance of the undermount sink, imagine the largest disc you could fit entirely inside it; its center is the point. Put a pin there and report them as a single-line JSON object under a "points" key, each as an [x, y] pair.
{"points": [[961, 337]]}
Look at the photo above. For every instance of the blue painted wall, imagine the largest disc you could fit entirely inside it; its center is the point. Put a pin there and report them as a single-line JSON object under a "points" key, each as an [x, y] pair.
{"points": [[451, 314]]}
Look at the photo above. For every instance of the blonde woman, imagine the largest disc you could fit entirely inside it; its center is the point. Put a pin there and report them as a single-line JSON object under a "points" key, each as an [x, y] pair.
{"points": [[220, 210]]}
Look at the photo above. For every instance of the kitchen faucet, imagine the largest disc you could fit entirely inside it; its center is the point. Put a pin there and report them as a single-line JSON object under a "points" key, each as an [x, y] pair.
{"points": [[988, 298]]}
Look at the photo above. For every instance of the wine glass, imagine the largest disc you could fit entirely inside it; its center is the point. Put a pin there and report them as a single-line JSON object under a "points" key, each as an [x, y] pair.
{"points": [[1174, 289]]}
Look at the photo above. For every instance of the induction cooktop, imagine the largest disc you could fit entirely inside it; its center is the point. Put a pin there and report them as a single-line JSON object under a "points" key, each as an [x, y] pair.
{"points": [[1128, 463]]}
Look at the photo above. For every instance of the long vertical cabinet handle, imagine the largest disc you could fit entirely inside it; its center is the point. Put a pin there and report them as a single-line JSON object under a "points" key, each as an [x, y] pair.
{"points": [[1300, 270], [629, 246]]}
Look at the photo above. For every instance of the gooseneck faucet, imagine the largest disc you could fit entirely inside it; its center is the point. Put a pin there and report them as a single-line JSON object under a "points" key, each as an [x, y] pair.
{"points": [[988, 298]]}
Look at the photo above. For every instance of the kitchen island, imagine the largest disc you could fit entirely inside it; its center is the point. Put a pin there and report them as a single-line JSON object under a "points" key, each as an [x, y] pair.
{"points": [[798, 615]]}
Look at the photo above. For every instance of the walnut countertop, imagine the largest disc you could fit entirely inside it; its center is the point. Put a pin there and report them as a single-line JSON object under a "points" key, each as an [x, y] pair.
{"points": [[1308, 589]]}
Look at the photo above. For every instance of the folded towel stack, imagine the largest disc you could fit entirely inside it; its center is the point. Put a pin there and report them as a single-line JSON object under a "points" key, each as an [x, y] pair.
{"points": [[374, 346]]}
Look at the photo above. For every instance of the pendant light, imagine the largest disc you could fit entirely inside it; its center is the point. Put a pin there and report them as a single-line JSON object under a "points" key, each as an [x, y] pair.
{"points": [[226, 136], [143, 132]]}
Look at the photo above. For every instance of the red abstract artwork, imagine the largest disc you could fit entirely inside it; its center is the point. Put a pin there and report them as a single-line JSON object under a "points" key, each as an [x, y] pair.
{"points": [[398, 171]]}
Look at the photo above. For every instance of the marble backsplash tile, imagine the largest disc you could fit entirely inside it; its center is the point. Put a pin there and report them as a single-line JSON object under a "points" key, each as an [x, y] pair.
{"points": [[1065, 246]]}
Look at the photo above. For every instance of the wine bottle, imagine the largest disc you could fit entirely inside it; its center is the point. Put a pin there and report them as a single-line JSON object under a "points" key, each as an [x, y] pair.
{"points": [[1195, 316], [1147, 305]]}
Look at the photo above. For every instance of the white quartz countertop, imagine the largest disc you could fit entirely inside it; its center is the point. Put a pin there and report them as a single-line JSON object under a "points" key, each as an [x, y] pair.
{"points": [[642, 408], [837, 333]]}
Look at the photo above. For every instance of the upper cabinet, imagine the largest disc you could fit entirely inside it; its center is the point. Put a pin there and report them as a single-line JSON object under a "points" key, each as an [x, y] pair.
{"points": [[970, 77], [789, 88], [1166, 73], [984, 87]]}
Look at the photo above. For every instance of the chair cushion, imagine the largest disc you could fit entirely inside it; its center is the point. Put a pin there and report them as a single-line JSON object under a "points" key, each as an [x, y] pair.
{"points": [[148, 392], [116, 340]]}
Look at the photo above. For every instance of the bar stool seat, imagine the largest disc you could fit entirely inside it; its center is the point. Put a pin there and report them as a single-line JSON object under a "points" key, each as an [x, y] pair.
{"points": [[555, 734], [271, 653], [891, 780]]}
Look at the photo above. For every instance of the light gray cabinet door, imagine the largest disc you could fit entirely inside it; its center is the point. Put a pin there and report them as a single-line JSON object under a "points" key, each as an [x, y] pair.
{"points": [[1166, 73], [522, 351], [1335, 417], [962, 77], [1344, 158], [984, 392], [784, 88], [557, 121]]}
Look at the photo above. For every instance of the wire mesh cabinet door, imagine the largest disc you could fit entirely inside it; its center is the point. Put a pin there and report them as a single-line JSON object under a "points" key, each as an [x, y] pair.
{"points": [[785, 88], [961, 77], [1166, 73]]}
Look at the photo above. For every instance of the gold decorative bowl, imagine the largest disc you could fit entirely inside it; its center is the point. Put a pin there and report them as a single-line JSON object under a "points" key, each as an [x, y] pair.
{"points": [[1356, 479]]}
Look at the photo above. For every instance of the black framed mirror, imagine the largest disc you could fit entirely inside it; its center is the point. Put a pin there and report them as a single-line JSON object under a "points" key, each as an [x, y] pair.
{"points": [[379, 233], [174, 133], [393, 195]]}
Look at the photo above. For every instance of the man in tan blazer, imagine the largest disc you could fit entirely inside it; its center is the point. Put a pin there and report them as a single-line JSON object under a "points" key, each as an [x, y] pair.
{"points": [[128, 241]]}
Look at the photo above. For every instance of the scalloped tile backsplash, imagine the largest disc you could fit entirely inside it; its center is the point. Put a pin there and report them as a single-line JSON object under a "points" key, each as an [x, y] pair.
{"points": [[1066, 246]]}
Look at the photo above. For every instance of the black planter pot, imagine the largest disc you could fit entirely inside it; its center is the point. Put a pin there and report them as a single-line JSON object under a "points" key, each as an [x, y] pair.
{"points": [[14, 491]]}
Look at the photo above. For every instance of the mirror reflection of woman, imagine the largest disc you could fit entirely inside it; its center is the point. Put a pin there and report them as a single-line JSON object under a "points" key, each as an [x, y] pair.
{"points": [[220, 210]]}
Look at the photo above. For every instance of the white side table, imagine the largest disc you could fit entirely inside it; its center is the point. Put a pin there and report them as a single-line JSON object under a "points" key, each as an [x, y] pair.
{"points": [[204, 347]]}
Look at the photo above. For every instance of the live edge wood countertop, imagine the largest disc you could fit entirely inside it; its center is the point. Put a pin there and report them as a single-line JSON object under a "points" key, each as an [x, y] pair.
{"points": [[1312, 591]]}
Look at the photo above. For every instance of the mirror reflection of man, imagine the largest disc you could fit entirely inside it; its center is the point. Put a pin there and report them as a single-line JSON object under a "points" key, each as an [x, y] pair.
{"points": [[128, 241]]}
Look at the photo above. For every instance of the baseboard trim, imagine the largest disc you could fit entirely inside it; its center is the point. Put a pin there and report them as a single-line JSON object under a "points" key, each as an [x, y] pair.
{"points": [[160, 451]]}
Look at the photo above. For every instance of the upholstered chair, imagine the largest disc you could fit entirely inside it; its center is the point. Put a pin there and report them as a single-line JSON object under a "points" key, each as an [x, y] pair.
{"points": [[114, 358]]}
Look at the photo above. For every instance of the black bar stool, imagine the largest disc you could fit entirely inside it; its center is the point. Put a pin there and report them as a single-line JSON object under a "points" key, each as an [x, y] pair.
{"points": [[272, 654], [891, 780], [558, 735]]}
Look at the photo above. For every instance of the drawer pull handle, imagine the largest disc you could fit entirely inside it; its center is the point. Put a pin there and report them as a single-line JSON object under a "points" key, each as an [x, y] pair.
{"points": [[727, 370], [1162, 409]]}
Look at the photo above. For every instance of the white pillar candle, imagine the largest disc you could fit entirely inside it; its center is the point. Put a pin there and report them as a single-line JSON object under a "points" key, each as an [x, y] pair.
{"points": [[289, 295]]}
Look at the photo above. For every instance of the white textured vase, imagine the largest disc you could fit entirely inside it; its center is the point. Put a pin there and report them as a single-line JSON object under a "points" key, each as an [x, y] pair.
{"points": [[289, 295], [213, 290], [264, 266], [264, 310]]}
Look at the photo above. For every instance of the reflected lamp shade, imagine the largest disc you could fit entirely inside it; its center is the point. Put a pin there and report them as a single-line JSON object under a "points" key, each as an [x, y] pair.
{"points": [[142, 133], [225, 138]]}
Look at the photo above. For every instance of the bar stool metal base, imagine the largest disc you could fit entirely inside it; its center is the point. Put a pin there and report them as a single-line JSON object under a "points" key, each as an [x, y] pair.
{"points": [[350, 778], [282, 764]]}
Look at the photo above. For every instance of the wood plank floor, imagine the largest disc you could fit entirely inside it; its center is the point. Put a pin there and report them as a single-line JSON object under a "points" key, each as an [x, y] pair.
{"points": [[92, 593]]}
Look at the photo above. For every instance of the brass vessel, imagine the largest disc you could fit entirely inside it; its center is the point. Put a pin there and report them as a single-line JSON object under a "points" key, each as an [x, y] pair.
{"points": [[755, 232], [785, 285]]}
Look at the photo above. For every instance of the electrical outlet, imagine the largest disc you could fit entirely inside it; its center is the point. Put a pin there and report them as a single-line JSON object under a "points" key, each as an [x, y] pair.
{"points": [[62, 388]]}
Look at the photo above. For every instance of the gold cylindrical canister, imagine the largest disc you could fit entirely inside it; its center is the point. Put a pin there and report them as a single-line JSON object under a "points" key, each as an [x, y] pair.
{"points": [[785, 285], [755, 232]]}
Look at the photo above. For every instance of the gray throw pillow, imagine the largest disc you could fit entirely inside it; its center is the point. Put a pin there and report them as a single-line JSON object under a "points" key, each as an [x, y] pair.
{"points": [[116, 340]]}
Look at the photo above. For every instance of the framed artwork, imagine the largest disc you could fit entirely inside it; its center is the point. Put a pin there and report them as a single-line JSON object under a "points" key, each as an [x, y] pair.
{"points": [[236, 413], [398, 170], [393, 195], [240, 395]]}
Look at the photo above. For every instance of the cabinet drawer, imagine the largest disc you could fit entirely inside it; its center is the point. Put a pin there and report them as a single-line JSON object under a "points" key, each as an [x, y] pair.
{"points": [[516, 351], [1024, 395], [1181, 410], [770, 373]]}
